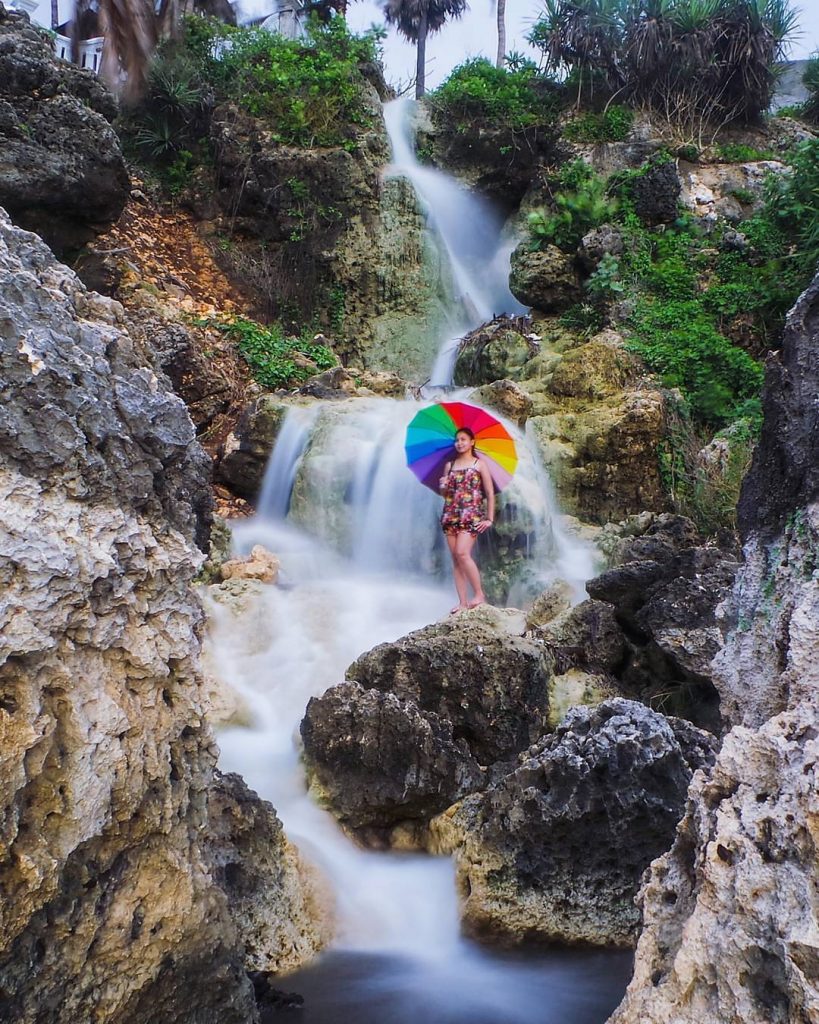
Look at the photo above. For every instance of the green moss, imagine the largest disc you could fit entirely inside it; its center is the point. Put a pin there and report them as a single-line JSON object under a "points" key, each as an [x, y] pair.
{"points": [[611, 125]]}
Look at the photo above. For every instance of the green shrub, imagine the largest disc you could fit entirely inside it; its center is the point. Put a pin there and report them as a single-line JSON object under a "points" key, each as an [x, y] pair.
{"points": [[580, 204], [270, 353], [611, 125], [792, 203], [680, 343], [584, 319], [738, 153], [517, 98]]}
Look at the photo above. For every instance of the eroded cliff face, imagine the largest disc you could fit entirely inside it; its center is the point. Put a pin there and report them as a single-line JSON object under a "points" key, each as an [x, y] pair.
{"points": [[731, 925], [110, 906]]}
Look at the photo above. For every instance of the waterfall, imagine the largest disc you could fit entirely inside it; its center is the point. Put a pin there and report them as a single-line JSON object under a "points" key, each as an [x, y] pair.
{"points": [[363, 562], [469, 231]]}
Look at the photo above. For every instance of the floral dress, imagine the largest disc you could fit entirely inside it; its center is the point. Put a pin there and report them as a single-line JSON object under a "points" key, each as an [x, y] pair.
{"points": [[463, 501]]}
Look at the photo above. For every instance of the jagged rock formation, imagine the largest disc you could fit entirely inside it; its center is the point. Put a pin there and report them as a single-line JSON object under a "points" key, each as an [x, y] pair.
{"points": [[340, 244], [554, 851], [61, 166], [112, 908], [377, 760], [731, 928], [491, 684]]}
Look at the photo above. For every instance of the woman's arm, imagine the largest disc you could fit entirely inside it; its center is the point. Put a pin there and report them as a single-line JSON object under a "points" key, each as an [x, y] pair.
{"points": [[489, 491]]}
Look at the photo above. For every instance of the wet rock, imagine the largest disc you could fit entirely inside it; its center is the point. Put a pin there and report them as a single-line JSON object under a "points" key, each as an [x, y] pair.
{"points": [[496, 351], [244, 454], [62, 173], [492, 686], [555, 850], [545, 278], [377, 760], [586, 636], [553, 601], [281, 910]]}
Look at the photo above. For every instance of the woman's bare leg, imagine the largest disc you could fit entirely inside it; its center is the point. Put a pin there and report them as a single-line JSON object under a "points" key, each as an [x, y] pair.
{"points": [[463, 557], [457, 572]]}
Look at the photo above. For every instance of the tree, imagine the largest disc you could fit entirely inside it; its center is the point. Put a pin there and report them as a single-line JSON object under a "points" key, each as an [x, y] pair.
{"points": [[415, 20], [501, 33]]}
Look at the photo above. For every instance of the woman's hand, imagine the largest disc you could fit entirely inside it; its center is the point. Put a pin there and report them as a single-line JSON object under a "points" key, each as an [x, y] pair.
{"points": [[484, 525], [442, 482]]}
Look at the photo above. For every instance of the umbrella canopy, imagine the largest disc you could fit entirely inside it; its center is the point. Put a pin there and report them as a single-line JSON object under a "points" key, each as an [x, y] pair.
{"points": [[431, 439]]}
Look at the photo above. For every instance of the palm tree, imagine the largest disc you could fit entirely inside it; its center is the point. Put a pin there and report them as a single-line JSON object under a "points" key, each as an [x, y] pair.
{"points": [[415, 19], [501, 33]]}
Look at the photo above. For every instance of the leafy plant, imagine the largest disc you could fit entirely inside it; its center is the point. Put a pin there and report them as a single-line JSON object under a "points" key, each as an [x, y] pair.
{"points": [[687, 59], [611, 125], [518, 98], [584, 319], [792, 203], [578, 207], [270, 354], [810, 79], [739, 153], [605, 283]]}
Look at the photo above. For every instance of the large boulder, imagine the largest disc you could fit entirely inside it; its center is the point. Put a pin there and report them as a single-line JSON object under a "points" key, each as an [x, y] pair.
{"points": [[377, 760], [496, 351], [113, 906], [61, 167], [554, 851], [546, 279], [489, 683], [731, 928], [665, 597]]}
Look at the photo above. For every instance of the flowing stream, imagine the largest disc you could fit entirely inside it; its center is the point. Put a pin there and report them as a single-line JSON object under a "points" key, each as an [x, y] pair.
{"points": [[362, 564]]}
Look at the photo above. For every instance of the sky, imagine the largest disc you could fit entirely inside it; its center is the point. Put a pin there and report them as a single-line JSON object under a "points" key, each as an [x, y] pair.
{"points": [[473, 35]]}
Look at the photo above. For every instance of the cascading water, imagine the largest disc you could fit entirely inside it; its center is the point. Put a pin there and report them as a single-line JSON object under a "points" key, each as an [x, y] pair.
{"points": [[470, 232], [360, 549]]}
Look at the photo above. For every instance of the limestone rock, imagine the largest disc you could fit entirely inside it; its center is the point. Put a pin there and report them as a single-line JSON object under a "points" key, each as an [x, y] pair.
{"points": [[556, 599], [656, 192], [602, 454], [491, 686], [377, 760], [496, 351], [61, 167], [508, 398], [555, 850], [112, 908], [598, 369], [597, 243], [282, 913], [587, 635], [730, 934], [260, 564], [546, 278], [729, 931]]}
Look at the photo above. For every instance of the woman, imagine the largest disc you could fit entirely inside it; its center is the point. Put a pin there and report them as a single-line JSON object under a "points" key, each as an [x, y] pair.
{"points": [[466, 488]]}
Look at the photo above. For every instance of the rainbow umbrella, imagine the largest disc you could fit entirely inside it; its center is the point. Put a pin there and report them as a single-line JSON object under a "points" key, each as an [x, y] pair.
{"points": [[431, 437]]}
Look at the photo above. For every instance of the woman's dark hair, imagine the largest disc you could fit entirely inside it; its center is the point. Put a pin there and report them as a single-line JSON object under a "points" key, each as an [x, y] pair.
{"points": [[465, 430]]}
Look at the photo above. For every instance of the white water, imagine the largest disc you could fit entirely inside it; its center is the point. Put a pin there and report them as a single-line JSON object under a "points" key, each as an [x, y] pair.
{"points": [[364, 574], [470, 232]]}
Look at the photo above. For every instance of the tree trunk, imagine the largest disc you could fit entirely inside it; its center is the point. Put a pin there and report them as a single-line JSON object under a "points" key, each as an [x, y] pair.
{"points": [[421, 64], [501, 33], [55, 13]]}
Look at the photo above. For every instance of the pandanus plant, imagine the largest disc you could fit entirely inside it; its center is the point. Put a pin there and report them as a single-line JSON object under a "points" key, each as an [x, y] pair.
{"points": [[715, 58]]}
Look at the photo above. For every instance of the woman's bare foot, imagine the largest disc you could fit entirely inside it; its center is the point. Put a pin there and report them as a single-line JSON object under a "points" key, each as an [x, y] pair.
{"points": [[478, 600], [458, 608]]}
